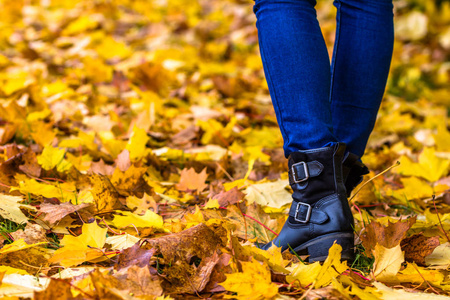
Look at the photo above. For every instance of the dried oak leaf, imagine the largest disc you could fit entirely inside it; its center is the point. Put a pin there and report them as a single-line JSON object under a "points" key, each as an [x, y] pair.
{"points": [[134, 255], [56, 212], [230, 197], [58, 289], [388, 237], [418, 246]]}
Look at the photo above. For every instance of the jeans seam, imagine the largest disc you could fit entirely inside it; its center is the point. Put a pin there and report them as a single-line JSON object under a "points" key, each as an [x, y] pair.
{"points": [[336, 46], [269, 79]]}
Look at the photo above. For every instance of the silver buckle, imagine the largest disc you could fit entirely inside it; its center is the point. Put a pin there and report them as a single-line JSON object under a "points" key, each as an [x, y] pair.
{"points": [[294, 174], [308, 214]]}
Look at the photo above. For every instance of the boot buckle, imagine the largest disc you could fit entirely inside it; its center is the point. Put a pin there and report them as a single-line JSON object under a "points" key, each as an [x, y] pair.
{"points": [[308, 212], [295, 176]]}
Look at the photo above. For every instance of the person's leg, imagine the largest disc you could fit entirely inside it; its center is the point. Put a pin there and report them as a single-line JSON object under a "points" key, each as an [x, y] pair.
{"points": [[297, 69], [298, 73], [360, 66]]}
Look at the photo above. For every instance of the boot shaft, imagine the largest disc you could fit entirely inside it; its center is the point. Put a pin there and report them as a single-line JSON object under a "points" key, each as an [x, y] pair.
{"points": [[315, 174]]}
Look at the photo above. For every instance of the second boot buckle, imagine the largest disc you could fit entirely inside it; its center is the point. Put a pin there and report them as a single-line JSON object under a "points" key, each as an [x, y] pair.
{"points": [[308, 212]]}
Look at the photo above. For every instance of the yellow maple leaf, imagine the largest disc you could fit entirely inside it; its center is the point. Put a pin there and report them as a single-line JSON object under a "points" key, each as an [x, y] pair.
{"points": [[319, 275], [10, 208], [17, 245], [254, 282], [137, 143], [85, 247], [271, 256], [414, 188], [128, 219], [387, 261], [54, 157], [429, 166], [63, 191]]}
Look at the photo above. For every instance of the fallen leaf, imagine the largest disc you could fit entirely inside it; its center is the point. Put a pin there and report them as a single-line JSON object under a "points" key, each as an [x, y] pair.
{"points": [[55, 212], [134, 256], [192, 181], [440, 257], [418, 246], [229, 197], [10, 208], [85, 247], [388, 237], [271, 194], [128, 219], [254, 282], [387, 261], [33, 234], [56, 289]]}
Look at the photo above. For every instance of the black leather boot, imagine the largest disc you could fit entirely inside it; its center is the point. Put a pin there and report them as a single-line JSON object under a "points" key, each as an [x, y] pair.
{"points": [[319, 214], [353, 171]]}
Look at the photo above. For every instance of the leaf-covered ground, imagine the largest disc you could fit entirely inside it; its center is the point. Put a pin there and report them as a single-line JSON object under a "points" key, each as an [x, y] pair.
{"points": [[140, 158]]}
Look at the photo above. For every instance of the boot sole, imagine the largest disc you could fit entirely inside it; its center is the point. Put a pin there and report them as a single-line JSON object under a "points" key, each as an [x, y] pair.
{"points": [[317, 248]]}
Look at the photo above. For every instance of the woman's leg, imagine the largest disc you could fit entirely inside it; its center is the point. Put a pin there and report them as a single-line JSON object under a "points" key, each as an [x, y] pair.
{"points": [[360, 66], [297, 69], [298, 73]]}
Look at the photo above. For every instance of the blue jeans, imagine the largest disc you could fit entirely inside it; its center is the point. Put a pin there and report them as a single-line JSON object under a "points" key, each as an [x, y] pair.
{"points": [[316, 103]]}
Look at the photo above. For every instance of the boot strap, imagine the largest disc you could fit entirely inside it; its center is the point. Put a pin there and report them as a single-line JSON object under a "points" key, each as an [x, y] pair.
{"points": [[304, 213], [302, 171]]}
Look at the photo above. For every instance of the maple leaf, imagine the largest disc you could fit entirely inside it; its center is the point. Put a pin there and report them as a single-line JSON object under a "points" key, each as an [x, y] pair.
{"points": [[429, 166], [128, 219], [85, 247], [389, 236], [10, 208], [387, 261], [54, 212], [252, 283], [192, 181]]}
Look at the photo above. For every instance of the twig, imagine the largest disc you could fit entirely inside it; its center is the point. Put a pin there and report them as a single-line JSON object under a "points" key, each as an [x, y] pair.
{"points": [[360, 213], [309, 290], [424, 279], [245, 221], [371, 179], [439, 218], [225, 172], [261, 224], [110, 229]]}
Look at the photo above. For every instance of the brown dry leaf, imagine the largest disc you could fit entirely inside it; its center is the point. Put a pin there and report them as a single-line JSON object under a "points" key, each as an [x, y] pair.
{"points": [[218, 274], [33, 234], [30, 165], [387, 237], [101, 168], [57, 289], [182, 251], [30, 260], [192, 181], [230, 197], [134, 255], [418, 246], [139, 282], [55, 212]]}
